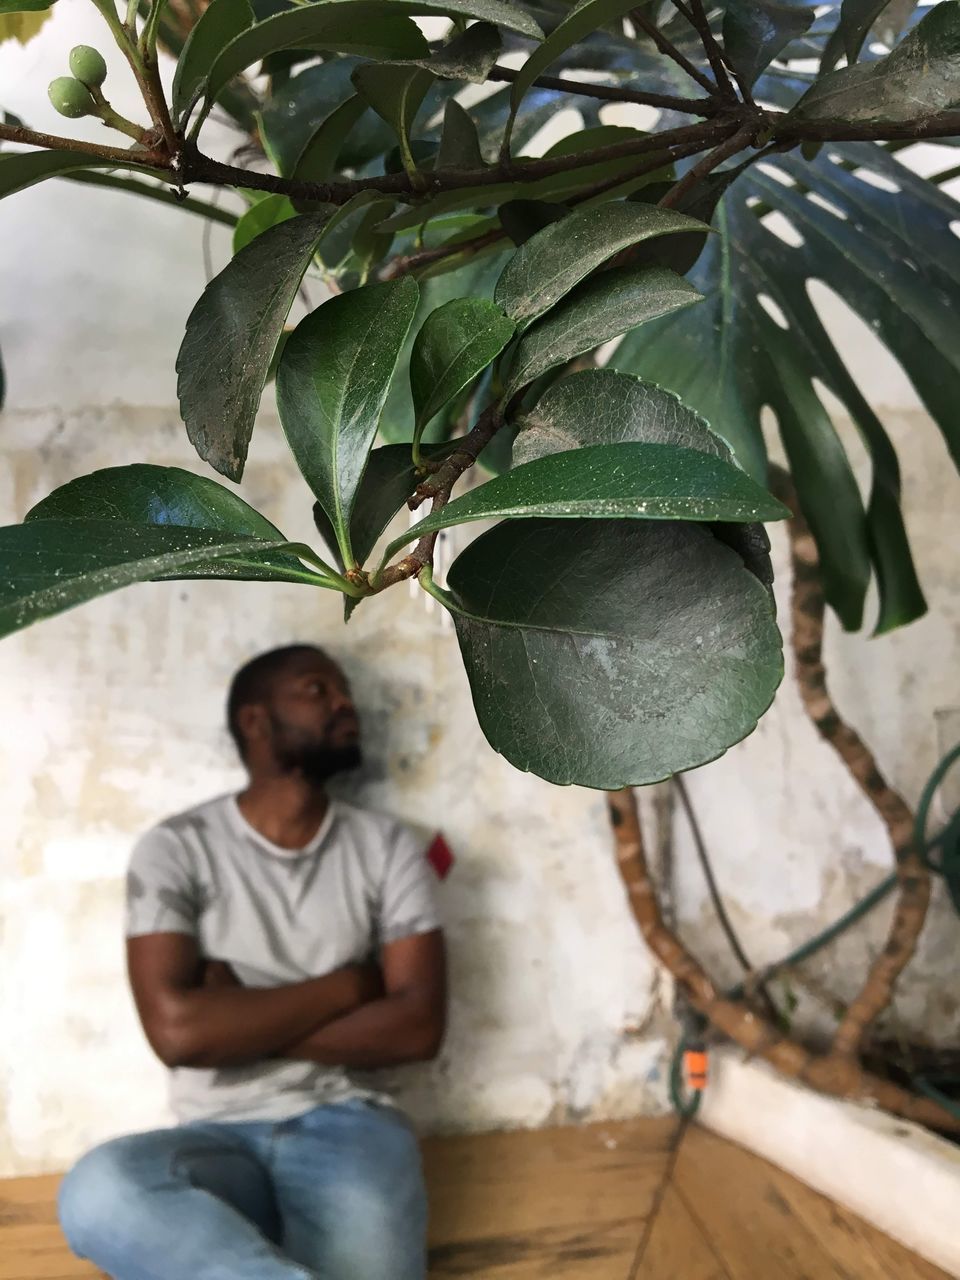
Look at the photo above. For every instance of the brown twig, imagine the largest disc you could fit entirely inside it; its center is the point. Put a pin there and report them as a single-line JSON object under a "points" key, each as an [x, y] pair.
{"points": [[726, 149], [697, 18], [438, 487], [832, 1073], [669, 49], [613, 93], [51, 142], [910, 908]]}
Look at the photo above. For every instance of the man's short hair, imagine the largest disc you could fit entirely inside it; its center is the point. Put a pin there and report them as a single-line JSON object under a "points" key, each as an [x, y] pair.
{"points": [[253, 683]]}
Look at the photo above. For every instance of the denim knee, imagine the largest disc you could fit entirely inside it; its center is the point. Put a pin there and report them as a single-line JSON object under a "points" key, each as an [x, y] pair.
{"points": [[89, 1196]]}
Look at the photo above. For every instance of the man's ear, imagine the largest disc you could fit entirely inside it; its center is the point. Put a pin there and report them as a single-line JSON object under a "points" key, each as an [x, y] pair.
{"points": [[253, 722]]}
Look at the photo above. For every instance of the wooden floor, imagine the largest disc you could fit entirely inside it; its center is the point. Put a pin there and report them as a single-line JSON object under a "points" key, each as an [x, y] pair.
{"points": [[581, 1204]]}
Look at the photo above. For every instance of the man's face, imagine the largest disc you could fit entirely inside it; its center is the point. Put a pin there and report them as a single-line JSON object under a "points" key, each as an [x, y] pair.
{"points": [[313, 721]]}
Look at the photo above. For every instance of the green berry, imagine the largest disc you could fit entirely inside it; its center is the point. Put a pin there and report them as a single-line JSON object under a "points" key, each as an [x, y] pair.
{"points": [[88, 66], [71, 98]]}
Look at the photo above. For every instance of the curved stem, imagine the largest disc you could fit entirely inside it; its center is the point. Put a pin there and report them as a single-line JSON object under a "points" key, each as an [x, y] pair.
{"points": [[910, 909], [831, 1073], [613, 93]]}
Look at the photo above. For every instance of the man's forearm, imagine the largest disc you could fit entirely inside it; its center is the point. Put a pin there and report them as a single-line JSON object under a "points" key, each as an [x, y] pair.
{"points": [[384, 1033], [233, 1025]]}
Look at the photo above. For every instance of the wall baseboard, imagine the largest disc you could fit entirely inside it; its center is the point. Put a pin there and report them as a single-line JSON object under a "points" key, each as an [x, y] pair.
{"points": [[896, 1175]]}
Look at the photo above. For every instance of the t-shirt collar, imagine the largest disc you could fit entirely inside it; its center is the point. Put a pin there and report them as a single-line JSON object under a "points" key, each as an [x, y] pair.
{"points": [[312, 845]]}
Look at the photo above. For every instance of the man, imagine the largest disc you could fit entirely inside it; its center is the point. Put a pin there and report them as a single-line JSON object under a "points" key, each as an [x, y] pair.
{"points": [[251, 922]]}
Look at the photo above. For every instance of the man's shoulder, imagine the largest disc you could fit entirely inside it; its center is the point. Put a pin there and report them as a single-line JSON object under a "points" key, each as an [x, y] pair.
{"points": [[172, 830], [380, 831]]}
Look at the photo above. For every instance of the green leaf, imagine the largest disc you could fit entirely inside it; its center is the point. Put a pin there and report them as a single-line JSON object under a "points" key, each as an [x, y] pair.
{"points": [[22, 169], [319, 157], [219, 23], [334, 26], [856, 19], [583, 20], [231, 336], [892, 256], [756, 31], [389, 479], [598, 310], [372, 28], [457, 342], [563, 253], [136, 524], [396, 92], [331, 387], [24, 6], [260, 217], [597, 482], [468, 56], [459, 142], [610, 653], [919, 78], [600, 406]]}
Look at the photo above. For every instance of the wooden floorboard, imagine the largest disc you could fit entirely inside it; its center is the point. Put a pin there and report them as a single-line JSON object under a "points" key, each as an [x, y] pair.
{"points": [[578, 1204]]}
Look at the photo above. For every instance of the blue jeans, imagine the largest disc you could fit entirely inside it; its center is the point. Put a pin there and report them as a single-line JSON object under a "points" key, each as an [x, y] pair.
{"points": [[335, 1194]]}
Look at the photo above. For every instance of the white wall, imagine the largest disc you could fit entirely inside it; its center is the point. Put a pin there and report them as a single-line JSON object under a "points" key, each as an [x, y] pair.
{"points": [[113, 719]]}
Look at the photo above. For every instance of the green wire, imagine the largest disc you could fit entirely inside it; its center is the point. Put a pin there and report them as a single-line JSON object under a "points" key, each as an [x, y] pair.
{"points": [[948, 841]]}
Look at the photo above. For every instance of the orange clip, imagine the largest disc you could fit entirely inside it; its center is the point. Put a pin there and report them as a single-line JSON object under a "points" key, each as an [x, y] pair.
{"points": [[695, 1069]]}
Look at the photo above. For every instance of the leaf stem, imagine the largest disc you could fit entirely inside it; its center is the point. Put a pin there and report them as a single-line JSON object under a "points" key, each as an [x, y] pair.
{"points": [[696, 16], [706, 165], [669, 49], [52, 142], [612, 93]]}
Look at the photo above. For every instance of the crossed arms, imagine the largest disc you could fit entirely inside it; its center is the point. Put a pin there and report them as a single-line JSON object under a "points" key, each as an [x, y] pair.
{"points": [[196, 1014]]}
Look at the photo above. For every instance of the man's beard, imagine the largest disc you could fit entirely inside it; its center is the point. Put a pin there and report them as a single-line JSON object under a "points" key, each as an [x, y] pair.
{"points": [[315, 758]]}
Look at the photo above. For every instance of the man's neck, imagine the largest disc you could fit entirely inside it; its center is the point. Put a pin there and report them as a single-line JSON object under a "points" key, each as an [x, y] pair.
{"points": [[286, 810]]}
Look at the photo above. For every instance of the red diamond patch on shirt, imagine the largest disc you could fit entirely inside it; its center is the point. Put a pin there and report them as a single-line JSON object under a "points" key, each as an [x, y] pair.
{"points": [[440, 856]]}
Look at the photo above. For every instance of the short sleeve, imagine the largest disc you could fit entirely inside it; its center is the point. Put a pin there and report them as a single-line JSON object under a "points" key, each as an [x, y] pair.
{"points": [[161, 894], [409, 899]]}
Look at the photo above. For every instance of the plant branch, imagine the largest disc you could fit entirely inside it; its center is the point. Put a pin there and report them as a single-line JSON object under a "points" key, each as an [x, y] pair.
{"points": [[612, 93], [832, 1073], [913, 875], [697, 18], [642, 23], [51, 142], [736, 142], [438, 487]]}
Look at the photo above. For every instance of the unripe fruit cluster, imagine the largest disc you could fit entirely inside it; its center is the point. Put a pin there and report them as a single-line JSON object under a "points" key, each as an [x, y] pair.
{"points": [[70, 95]]}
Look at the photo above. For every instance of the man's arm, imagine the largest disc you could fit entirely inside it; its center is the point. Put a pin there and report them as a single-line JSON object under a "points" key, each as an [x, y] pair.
{"points": [[190, 1025], [406, 1025]]}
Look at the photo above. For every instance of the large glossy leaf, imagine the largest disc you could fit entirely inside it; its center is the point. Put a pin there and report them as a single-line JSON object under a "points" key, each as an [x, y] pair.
{"points": [[920, 77], [603, 481], [373, 28], [322, 153], [231, 336], [730, 358], [456, 342], [610, 653], [553, 261], [22, 169], [756, 31], [598, 310], [601, 406], [136, 524], [460, 141], [332, 384], [219, 23]]}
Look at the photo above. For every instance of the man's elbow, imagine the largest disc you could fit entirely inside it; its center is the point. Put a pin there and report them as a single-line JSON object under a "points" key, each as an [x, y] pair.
{"points": [[428, 1038], [172, 1037]]}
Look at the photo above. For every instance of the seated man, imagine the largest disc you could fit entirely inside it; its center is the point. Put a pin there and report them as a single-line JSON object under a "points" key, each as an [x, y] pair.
{"points": [[252, 920]]}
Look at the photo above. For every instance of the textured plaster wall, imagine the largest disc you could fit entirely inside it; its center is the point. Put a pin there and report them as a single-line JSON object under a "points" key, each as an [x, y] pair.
{"points": [[112, 720]]}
